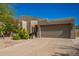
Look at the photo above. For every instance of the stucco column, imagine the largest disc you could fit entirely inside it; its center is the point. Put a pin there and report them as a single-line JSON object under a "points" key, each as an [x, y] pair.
{"points": [[39, 31], [73, 35]]}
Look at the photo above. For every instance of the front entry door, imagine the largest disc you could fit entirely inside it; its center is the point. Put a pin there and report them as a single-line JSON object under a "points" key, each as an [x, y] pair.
{"points": [[33, 28]]}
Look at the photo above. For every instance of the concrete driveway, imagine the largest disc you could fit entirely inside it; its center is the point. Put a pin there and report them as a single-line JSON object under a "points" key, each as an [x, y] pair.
{"points": [[41, 47]]}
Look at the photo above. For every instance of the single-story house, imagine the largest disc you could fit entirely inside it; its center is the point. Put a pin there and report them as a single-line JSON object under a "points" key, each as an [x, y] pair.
{"points": [[58, 28]]}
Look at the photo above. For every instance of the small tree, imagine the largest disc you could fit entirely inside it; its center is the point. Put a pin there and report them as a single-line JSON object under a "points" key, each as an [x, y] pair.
{"points": [[23, 34], [6, 16]]}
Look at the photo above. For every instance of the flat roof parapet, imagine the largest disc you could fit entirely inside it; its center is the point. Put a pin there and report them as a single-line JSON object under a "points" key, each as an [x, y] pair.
{"points": [[58, 21]]}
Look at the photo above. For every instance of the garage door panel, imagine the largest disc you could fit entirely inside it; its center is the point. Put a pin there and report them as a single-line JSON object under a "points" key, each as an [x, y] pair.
{"points": [[56, 32]]}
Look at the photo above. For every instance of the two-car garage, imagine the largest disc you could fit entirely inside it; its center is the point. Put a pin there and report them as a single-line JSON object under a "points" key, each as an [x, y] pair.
{"points": [[58, 29]]}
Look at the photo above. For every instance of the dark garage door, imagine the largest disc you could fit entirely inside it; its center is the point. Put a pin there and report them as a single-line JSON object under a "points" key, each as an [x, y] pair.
{"points": [[55, 31]]}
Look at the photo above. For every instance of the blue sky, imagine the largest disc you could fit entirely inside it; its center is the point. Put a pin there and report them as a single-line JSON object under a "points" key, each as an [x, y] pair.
{"points": [[49, 10]]}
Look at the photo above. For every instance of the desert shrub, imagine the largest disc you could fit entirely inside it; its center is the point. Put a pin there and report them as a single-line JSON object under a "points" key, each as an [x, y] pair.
{"points": [[77, 32], [23, 34], [16, 36]]}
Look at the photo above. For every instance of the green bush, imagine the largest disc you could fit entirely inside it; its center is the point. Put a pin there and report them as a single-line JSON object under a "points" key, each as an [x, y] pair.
{"points": [[23, 34], [16, 36]]}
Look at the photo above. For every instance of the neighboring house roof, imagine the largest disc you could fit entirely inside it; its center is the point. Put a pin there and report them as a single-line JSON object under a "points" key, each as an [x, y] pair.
{"points": [[28, 18]]}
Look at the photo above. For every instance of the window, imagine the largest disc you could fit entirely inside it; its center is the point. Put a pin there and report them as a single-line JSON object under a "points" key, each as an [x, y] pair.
{"points": [[33, 23]]}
